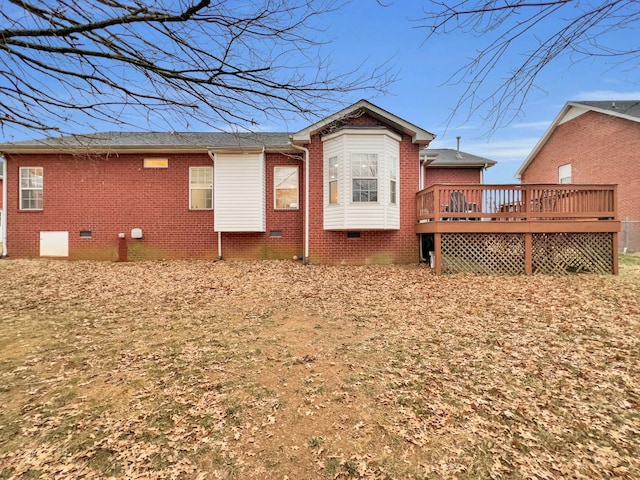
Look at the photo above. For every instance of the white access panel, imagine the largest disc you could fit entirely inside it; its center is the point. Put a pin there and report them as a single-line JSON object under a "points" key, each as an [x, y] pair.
{"points": [[54, 244], [239, 193]]}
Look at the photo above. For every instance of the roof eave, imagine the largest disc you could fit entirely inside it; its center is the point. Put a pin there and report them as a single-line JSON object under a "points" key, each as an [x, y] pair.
{"points": [[140, 149]]}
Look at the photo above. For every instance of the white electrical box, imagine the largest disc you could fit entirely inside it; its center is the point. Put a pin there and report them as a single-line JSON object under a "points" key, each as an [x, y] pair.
{"points": [[136, 233]]}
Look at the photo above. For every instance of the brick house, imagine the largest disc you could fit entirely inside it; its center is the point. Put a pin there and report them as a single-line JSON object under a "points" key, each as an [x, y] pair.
{"points": [[595, 142], [342, 190]]}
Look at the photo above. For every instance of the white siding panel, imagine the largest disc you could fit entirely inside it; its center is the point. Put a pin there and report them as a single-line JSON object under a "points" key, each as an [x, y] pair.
{"points": [[334, 214], [239, 193]]}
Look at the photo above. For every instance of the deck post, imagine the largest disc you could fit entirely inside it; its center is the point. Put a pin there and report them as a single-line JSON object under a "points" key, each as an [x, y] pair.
{"points": [[614, 253], [437, 246], [528, 253]]}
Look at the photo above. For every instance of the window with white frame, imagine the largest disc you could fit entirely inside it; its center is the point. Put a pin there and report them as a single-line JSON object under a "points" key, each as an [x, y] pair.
{"points": [[201, 188], [393, 182], [285, 184], [364, 177], [333, 180], [564, 173], [31, 188]]}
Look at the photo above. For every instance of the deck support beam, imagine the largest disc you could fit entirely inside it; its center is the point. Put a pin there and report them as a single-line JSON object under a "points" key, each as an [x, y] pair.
{"points": [[437, 246], [528, 253], [614, 252]]}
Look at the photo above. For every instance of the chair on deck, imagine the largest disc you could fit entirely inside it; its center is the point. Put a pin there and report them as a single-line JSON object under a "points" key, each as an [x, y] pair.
{"points": [[458, 204]]}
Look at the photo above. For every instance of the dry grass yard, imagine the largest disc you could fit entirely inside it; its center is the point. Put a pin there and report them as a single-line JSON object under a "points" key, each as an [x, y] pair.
{"points": [[274, 370]]}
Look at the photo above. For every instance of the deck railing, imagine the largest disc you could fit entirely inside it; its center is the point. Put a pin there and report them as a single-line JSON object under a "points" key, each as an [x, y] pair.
{"points": [[517, 202]]}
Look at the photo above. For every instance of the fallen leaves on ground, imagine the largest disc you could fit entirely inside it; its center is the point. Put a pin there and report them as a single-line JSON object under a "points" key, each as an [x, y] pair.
{"points": [[194, 369]]}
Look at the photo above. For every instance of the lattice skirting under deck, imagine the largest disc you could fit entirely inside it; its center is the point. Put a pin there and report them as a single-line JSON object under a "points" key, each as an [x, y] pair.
{"points": [[504, 253], [572, 252]]}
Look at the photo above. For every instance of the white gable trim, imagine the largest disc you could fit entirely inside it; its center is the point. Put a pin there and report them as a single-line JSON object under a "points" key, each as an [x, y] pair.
{"points": [[418, 135]]}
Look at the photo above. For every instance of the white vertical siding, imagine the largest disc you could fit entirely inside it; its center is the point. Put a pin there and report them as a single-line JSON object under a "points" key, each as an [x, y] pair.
{"points": [[239, 183], [349, 215]]}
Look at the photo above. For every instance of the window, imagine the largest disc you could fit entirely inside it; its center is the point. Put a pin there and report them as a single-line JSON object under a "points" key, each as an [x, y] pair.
{"points": [[201, 188], [393, 182], [564, 173], [333, 180], [364, 177], [31, 188], [156, 163], [285, 183]]}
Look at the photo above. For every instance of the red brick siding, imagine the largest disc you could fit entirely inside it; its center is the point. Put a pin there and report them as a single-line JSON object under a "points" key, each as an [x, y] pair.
{"points": [[466, 176], [600, 149], [108, 196]]}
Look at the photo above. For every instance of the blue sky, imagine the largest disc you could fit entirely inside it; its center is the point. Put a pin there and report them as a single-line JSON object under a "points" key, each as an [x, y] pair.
{"points": [[364, 32], [421, 96]]}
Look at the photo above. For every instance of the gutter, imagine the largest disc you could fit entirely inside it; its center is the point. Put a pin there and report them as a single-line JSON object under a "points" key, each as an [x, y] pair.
{"points": [[3, 230], [305, 160], [212, 155]]}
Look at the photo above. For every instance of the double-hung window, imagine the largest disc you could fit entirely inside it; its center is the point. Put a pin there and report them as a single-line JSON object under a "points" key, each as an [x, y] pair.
{"points": [[31, 188], [201, 188], [364, 177], [564, 173], [393, 182], [285, 183]]}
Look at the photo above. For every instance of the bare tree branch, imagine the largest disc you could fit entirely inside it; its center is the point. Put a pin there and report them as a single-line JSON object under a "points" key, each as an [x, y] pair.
{"points": [[540, 32], [65, 64]]}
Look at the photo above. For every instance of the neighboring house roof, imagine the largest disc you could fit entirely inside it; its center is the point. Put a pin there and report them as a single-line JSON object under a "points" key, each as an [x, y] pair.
{"points": [[333, 122], [449, 157], [626, 109]]}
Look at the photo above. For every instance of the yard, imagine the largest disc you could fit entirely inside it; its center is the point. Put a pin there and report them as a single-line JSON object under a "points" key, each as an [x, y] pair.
{"points": [[193, 369]]}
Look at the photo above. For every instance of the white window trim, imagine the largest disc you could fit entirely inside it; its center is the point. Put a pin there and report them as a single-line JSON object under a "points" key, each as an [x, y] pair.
{"points": [[563, 170], [191, 188], [353, 158], [393, 180], [275, 187], [41, 189]]}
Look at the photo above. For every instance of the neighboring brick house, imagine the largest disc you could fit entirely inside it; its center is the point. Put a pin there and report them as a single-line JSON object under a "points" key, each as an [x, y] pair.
{"points": [[340, 191], [594, 143]]}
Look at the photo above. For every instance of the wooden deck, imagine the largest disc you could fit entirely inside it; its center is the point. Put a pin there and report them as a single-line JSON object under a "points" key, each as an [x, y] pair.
{"points": [[583, 217]]}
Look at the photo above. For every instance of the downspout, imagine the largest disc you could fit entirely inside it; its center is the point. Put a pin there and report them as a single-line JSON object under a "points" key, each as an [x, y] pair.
{"points": [[482, 173], [3, 233], [212, 156], [305, 160]]}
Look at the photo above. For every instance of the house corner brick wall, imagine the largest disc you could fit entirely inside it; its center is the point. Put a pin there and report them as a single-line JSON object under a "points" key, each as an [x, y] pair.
{"points": [[600, 149]]}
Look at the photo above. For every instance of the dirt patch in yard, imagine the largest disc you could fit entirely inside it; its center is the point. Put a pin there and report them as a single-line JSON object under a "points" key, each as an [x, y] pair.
{"points": [[194, 369]]}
